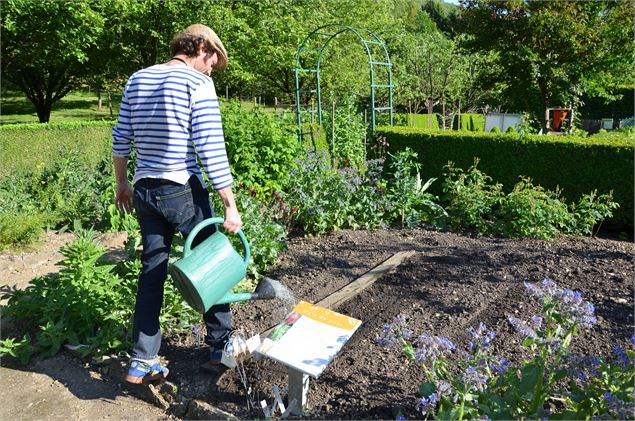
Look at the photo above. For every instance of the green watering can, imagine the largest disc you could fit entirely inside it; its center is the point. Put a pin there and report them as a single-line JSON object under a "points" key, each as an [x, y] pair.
{"points": [[207, 273]]}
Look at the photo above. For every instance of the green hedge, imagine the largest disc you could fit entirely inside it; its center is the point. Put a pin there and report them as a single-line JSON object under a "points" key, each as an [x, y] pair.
{"points": [[576, 165], [416, 120], [33, 146]]}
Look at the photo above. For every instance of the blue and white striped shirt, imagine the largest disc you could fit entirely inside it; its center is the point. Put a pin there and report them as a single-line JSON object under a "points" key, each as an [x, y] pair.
{"points": [[170, 114]]}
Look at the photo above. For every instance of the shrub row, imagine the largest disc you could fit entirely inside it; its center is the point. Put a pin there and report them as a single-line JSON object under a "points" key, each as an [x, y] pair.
{"points": [[574, 165]]}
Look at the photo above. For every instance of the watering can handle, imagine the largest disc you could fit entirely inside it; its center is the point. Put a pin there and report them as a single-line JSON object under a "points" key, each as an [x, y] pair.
{"points": [[187, 249]]}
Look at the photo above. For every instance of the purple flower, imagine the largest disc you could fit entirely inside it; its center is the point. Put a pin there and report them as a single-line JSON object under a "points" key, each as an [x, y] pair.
{"points": [[429, 348], [500, 367], [392, 334], [428, 404], [473, 377], [535, 322], [622, 358], [480, 338], [522, 328], [618, 408], [443, 388]]}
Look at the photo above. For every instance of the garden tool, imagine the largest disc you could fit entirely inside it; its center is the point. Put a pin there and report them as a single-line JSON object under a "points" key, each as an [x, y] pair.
{"points": [[206, 273]]}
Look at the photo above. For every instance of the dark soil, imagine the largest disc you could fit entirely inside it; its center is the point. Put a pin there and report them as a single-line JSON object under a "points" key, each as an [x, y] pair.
{"points": [[452, 282]]}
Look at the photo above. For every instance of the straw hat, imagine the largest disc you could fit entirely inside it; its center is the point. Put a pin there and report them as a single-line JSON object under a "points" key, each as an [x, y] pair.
{"points": [[199, 30]]}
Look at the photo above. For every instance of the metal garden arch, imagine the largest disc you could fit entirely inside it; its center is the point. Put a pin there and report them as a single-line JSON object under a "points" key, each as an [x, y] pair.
{"points": [[308, 59]]}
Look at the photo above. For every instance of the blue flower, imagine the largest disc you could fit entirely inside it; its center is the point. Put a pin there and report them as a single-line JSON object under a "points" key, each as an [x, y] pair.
{"points": [[473, 377], [480, 338], [428, 404], [522, 328], [430, 348], [622, 358]]}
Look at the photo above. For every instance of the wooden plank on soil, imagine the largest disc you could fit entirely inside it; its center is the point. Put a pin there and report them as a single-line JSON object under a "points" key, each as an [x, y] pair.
{"points": [[357, 286]]}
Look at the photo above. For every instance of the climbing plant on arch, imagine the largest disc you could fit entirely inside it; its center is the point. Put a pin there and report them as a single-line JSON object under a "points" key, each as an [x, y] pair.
{"points": [[308, 61]]}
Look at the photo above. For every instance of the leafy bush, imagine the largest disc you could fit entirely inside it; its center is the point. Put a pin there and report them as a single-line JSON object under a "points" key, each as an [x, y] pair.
{"points": [[475, 202], [478, 384], [261, 149], [266, 236], [359, 198], [323, 199], [575, 166], [87, 303]]}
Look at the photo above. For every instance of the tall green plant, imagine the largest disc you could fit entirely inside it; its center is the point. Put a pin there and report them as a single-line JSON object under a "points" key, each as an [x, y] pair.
{"points": [[345, 131], [410, 203], [261, 149]]}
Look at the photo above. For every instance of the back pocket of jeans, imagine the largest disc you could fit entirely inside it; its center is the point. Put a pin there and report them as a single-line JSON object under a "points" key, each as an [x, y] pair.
{"points": [[177, 207]]}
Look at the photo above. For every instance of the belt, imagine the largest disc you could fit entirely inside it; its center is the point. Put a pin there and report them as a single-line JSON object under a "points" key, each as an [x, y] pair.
{"points": [[153, 183]]}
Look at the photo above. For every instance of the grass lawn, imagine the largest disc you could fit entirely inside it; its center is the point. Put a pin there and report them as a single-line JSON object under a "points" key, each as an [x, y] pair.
{"points": [[80, 105], [76, 106]]}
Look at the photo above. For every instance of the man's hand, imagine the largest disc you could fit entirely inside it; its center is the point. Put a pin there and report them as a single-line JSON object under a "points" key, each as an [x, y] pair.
{"points": [[233, 222], [123, 191], [232, 217], [123, 197]]}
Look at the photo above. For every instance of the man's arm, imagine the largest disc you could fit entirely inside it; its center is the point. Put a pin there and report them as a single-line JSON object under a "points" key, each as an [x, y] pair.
{"points": [[123, 192]]}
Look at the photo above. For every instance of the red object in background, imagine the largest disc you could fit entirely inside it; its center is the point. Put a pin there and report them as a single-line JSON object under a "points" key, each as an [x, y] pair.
{"points": [[557, 118]]}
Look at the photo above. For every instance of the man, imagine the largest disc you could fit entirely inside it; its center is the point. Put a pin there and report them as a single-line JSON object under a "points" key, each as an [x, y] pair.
{"points": [[170, 113]]}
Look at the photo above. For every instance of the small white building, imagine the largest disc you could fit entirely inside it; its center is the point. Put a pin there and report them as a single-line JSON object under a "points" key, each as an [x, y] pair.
{"points": [[502, 120]]}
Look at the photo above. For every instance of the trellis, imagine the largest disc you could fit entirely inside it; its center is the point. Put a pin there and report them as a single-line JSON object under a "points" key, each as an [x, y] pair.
{"points": [[307, 67]]}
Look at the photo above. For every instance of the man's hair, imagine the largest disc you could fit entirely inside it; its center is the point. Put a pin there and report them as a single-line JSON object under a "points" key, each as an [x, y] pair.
{"points": [[188, 45], [196, 36]]}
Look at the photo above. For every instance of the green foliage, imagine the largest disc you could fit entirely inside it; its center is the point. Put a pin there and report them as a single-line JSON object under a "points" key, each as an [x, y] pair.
{"points": [[578, 58], [417, 120], [20, 229], [511, 129], [575, 166], [347, 149], [409, 203], [87, 303], [352, 200], [46, 47], [266, 235], [261, 149], [475, 202]]}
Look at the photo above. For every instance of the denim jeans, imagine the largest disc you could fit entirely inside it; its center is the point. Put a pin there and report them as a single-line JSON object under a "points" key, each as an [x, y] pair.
{"points": [[163, 208]]}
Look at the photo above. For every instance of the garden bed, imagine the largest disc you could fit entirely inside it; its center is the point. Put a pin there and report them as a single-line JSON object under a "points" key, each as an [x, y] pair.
{"points": [[452, 282]]}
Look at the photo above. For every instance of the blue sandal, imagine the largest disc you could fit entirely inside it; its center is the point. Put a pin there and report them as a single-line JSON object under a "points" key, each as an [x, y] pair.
{"points": [[142, 372]]}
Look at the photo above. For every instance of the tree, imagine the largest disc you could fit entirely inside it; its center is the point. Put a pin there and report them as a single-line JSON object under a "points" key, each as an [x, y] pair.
{"points": [[550, 51], [45, 47]]}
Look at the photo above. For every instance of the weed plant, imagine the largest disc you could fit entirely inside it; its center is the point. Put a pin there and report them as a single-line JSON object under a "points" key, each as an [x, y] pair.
{"points": [[553, 383]]}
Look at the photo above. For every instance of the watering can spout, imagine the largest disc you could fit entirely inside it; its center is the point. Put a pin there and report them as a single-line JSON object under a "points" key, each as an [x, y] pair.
{"points": [[264, 291]]}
